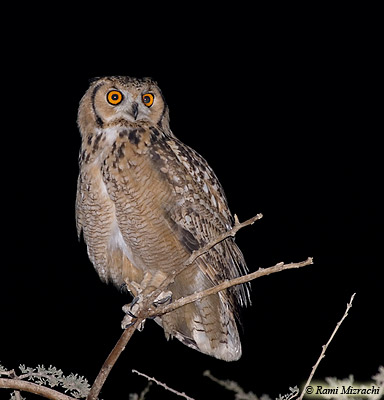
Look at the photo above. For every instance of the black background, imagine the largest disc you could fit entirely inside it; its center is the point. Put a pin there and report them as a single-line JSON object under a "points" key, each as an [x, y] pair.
{"points": [[286, 109]]}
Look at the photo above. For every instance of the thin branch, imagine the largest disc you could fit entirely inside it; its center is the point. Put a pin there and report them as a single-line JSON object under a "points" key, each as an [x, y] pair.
{"points": [[231, 233], [322, 354], [34, 388], [225, 285], [231, 386], [181, 394]]}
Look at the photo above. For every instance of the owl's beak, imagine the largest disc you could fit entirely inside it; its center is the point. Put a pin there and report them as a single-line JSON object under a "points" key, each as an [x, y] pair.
{"points": [[135, 109]]}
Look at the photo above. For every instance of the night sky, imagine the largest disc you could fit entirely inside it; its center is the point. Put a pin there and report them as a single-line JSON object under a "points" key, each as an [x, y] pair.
{"points": [[286, 117]]}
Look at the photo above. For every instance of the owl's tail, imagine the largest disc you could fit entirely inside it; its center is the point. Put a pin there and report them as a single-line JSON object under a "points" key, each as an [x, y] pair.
{"points": [[207, 325]]}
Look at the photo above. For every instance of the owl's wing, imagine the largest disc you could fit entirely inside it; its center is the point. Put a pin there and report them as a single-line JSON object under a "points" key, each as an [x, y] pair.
{"points": [[200, 214]]}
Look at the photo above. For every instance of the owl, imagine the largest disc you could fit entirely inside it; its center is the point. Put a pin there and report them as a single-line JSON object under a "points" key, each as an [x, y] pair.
{"points": [[145, 201]]}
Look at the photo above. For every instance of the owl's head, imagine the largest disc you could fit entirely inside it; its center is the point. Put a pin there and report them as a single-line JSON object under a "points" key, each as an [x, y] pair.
{"points": [[116, 98]]}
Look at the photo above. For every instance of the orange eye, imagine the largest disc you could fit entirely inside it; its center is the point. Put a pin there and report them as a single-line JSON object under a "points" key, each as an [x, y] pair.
{"points": [[148, 99], [114, 97]]}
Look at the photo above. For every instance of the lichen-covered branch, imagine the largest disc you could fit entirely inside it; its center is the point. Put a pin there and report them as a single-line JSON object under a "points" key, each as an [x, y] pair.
{"points": [[48, 393], [41, 377]]}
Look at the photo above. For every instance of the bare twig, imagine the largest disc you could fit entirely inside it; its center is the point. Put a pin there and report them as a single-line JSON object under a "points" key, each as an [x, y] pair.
{"points": [[322, 354], [181, 394], [231, 386], [48, 393], [160, 310], [231, 233]]}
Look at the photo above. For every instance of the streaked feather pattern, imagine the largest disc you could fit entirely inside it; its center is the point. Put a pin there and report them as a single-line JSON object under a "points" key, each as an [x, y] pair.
{"points": [[145, 202]]}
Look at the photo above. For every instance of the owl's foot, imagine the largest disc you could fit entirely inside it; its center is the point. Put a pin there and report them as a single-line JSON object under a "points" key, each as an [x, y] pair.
{"points": [[131, 311]]}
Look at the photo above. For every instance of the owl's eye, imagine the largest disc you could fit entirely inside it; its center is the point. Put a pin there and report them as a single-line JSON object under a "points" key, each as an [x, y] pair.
{"points": [[114, 97], [148, 99]]}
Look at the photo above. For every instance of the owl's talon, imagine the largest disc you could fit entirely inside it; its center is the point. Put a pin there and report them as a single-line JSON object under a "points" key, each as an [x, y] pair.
{"points": [[163, 298], [134, 301], [131, 311], [139, 328], [131, 315], [129, 320], [127, 325]]}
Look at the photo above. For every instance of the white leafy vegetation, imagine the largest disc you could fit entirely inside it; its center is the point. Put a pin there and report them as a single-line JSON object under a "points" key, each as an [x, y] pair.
{"points": [[73, 384], [78, 386]]}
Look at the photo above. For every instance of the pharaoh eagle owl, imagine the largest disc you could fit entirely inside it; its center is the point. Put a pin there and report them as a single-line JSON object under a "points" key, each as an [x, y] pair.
{"points": [[145, 202]]}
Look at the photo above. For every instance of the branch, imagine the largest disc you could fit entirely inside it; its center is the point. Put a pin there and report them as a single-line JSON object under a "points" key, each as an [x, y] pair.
{"points": [[322, 354], [182, 394], [48, 393], [231, 233], [231, 386], [225, 285]]}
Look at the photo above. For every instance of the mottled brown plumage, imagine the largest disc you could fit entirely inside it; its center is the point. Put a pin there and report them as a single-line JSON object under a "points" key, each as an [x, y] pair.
{"points": [[145, 201]]}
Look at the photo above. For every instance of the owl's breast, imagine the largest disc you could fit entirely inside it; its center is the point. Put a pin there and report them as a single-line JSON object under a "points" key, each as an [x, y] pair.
{"points": [[133, 174]]}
